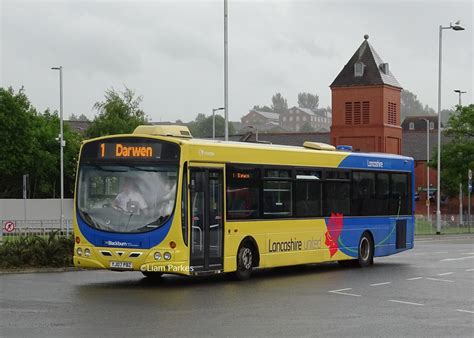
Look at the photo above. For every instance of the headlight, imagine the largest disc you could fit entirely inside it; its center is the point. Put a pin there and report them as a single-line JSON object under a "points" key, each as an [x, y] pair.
{"points": [[79, 251], [157, 256], [167, 256], [87, 252]]}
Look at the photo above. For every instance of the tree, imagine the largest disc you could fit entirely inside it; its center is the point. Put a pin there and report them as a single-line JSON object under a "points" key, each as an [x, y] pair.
{"points": [[202, 126], [308, 100], [30, 147], [457, 156], [81, 117], [279, 104], [262, 108], [119, 113], [411, 106], [306, 128]]}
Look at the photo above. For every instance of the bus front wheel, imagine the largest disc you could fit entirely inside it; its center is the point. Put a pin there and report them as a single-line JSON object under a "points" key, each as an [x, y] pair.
{"points": [[245, 262], [366, 251]]}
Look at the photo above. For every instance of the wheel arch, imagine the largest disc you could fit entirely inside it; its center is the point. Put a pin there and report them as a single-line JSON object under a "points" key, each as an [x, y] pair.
{"points": [[252, 243]]}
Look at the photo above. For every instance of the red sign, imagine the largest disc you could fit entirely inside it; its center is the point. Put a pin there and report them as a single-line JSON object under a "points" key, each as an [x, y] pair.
{"points": [[9, 226]]}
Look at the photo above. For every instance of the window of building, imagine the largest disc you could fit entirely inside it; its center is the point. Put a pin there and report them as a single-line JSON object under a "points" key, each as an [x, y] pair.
{"points": [[348, 112], [290, 118], [392, 113], [284, 118], [357, 113], [431, 125], [297, 118], [243, 189], [365, 112], [359, 69], [304, 118], [411, 126]]}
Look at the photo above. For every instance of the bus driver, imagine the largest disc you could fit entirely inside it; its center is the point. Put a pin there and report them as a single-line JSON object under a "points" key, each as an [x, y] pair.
{"points": [[130, 199]]}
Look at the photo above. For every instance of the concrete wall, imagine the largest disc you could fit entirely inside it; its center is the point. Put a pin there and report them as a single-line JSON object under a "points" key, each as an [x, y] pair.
{"points": [[36, 209]]}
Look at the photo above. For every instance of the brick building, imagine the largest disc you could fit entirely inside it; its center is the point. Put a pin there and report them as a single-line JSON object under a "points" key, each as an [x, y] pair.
{"points": [[296, 117], [366, 104]]}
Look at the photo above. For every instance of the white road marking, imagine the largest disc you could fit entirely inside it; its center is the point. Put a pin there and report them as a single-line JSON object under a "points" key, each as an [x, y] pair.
{"points": [[402, 302], [339, 292], [456, 259], [419, 254], [440, 280], [439, 252], [414, 278], [443, 240], [469, 270], [384, 283], [464, 311], [444, 273], [467, 253]]}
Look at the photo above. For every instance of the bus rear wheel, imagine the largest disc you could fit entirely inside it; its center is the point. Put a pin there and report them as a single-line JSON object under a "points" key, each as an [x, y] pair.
{"points": [[245, 262], [152, 275], [366, 251]]}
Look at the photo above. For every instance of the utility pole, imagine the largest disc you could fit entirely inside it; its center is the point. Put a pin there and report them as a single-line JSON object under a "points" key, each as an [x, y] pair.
{"points": [[226, 76]]}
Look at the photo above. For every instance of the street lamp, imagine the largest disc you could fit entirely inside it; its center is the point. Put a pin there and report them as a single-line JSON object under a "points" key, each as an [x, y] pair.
{"points": [[256, 132], [226, 76], [460, 92], [428, 217], [214, 121], [456, 27], [62, 143]]}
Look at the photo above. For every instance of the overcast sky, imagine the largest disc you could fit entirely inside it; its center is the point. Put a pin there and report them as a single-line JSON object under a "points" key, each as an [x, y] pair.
{"points": [[171, 52]]}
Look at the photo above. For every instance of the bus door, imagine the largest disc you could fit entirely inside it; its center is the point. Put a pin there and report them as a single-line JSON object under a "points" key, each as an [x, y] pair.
{"points": [[207, 226]]}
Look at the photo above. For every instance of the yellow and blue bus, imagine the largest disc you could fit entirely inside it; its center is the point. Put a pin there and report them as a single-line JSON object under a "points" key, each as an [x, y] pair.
{"points": [[161, 202]]}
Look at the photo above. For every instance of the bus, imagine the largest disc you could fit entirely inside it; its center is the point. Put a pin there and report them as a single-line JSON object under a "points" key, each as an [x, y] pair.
{"points": [[162, 202]]}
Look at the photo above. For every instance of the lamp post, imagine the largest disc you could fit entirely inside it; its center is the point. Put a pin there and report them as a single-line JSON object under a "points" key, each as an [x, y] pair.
{"points": [[226, 77], [456, 27], [214, 121], [460, 92], [61, 138], [428, 216], [256, 132]]}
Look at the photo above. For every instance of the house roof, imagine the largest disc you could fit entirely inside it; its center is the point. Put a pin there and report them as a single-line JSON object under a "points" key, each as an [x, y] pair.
{"points": [[373, 73], [316, 112], [268, 115]]}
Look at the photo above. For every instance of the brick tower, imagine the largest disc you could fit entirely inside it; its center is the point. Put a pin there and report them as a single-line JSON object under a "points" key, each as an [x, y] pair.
{"points": [[366, 104]]}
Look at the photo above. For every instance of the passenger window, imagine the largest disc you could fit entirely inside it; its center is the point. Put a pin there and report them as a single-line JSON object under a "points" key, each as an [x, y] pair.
{"points": [[243, 188], [277, 198]]}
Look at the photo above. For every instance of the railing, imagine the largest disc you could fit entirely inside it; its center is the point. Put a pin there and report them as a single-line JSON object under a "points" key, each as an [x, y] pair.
{"points": [[12, 228], [450, 224]]}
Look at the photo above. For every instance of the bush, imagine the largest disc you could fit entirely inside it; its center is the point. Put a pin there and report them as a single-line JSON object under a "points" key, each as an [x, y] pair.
{"points": [[37, 251]]}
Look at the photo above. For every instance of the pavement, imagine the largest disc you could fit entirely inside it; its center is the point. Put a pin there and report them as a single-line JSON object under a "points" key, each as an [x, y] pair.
{"points": [[427, 291]]}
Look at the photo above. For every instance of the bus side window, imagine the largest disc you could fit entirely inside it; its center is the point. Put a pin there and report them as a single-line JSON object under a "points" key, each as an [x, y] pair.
{"points": [[336, 197], [399, 194], [243, 193]]}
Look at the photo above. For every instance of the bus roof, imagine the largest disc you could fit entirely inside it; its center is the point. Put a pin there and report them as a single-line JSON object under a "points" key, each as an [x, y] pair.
{"points": [[207, 150]]}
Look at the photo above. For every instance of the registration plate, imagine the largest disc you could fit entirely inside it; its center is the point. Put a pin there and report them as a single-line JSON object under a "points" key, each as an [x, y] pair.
{"points": [[121, 265]]}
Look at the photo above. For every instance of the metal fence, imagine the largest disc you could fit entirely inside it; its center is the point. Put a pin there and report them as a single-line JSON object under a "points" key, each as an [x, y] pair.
{"points": [[450, 224], [12, 228]]}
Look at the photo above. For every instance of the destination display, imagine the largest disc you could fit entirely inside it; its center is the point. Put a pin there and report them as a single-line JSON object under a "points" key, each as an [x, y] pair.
{"points": [[130, 149]]}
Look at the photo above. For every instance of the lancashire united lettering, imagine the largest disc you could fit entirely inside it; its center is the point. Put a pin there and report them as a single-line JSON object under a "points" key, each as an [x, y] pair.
{"points": [[375, 164], [294, 245], [139, 151], [291, 245]]}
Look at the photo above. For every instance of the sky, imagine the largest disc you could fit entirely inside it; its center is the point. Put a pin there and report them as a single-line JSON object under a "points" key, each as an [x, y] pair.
{"points": [[171, 52]]}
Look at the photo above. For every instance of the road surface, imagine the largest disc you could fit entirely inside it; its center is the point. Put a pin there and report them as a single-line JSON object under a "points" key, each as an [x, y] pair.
{"points": [[428, 291]]}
